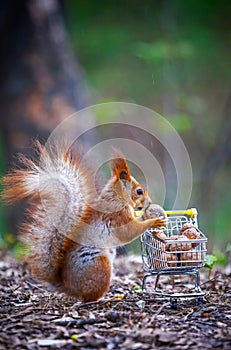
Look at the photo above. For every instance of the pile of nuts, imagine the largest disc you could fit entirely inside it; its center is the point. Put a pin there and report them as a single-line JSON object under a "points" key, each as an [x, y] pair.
{"points": [[174, 253]]}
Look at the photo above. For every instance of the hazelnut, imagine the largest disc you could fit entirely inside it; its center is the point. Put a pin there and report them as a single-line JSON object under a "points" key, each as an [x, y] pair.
{"points": [[153, 211], [186, 226], [172, 259], [160, 234], [192, 233], [178, 247], [192, 258]]}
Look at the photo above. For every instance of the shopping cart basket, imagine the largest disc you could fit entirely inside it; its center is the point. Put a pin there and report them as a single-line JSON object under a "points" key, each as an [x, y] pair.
{"points": [[172, 256]]}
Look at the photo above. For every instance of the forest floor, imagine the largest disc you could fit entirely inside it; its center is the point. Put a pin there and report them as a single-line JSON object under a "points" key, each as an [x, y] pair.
{"points": [[32, 317]]}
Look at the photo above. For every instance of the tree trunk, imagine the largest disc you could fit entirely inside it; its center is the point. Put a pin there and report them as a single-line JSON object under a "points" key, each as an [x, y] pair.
{"points": [[41, 82]]}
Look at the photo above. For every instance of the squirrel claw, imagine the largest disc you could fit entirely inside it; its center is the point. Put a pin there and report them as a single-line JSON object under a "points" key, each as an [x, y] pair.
{"points": [[160, 222]]}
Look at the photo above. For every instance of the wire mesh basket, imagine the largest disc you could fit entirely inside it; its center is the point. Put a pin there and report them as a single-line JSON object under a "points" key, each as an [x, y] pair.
{"points": [[169, 252]]}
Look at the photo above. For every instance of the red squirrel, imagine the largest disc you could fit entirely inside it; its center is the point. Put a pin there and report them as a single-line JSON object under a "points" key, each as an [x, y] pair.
{"points": [[70, 231]]}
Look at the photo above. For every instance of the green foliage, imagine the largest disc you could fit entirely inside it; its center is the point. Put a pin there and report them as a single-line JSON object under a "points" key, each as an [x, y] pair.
{"points": [[211, 260], [160, 51], [136, 287], [106, 113], [159, 54], [74, 337], [180, 122], [218, 258]]}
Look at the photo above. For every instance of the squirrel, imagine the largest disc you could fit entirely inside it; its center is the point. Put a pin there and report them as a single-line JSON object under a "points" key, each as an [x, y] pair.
{"points": [[71, 231]]}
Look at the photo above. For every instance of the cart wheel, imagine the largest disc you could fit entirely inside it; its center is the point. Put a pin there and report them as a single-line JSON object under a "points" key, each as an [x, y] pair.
{"points": [[199, 301], [173, 304]]}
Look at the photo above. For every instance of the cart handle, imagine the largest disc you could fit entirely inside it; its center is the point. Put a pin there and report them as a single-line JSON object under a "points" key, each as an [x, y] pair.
{"points": [[192, 212]]}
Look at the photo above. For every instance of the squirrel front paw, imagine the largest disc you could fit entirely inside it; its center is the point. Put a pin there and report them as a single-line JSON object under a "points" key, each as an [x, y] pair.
{"points": [[159, 222], [157, 214]]}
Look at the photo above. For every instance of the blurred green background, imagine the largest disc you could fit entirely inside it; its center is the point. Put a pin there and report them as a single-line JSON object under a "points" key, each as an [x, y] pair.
{"points": [[173, 57]]}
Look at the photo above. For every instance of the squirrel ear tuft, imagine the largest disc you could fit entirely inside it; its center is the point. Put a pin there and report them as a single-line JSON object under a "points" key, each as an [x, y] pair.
{"points": [[119, 166]]}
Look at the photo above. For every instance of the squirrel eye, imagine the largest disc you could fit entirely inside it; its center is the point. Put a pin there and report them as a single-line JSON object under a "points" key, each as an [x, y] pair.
{"points": [[139, 191]]}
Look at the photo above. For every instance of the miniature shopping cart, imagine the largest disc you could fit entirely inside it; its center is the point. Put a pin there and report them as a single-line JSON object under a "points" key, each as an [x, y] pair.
{"points": [[174, 256]]}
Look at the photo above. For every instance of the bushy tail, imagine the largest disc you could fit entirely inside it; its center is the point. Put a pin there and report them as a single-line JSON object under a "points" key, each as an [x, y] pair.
{"points": [[60, 191], [57, 179], [20, 183]]}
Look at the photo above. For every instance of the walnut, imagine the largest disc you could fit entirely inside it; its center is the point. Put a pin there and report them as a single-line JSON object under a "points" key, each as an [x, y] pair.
{"points": [[178, 247], [192, 258], [172, 259], [160, 234], [192, 233], [186, 226], [153, 211]]}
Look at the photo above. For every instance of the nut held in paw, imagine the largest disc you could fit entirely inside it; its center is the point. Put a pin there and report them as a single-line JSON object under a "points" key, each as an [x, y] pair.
{"points": [[153, 211]]}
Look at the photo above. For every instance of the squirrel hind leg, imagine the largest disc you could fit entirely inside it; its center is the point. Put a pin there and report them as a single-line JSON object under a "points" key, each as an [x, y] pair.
{"points": [[86, 274]]}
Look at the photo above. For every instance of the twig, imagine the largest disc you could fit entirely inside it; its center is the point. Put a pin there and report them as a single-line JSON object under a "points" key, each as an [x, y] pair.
{"points": [[160, 310], [34, 286], [98, 302], [80, 323], [106, 301], [211, 280], [208, 281], [187, 316]]}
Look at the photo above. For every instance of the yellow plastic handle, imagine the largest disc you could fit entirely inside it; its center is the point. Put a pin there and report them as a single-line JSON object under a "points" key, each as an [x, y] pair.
{"points": [[192, 212], [138, 213]]}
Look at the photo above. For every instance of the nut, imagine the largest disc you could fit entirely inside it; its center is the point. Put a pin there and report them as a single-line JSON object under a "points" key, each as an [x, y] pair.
{"points": [[192, 233], [154, 211], [172, 259], [178, 247], [160, 234], [186, 226], [192, 258]]}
